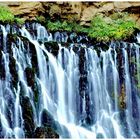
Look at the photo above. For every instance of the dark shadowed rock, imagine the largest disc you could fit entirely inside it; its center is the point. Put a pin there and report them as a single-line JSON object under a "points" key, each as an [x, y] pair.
{"points": [[13, 71], [47, 119], [27, 114], [52, 47], [30, 73], [45, 132]]}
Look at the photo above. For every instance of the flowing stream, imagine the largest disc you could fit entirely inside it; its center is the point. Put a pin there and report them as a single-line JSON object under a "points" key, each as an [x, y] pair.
{"points": [[90, 92]]}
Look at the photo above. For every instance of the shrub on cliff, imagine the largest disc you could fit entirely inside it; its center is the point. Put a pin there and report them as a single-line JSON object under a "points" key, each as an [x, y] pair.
{"points": [[103, 28], [115, 27], [65, 26], [7, 16]]}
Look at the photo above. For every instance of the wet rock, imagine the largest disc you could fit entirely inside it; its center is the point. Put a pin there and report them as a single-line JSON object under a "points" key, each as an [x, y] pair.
{"points": [[82, 59], [30, 49], [9, 106], [9, 116], [120, 64], [124, 124], [73, 37], [83, 86], [45, 132], [11, 39], [52, 47], [122, 98], [100, 136], [39, 132], [53, 128], [75, 49], [1, 130], [51, 133], [28, 116], [34, 60], [88, 120], [2, 69], [101, 45], [135, 109], [46, 56], [30, 74], [1, 40], [13, 71], [9, 98], [36, 90], [47, 119]]}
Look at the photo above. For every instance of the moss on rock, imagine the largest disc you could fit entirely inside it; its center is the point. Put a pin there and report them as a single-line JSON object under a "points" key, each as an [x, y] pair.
{"points": [[122, 98]]}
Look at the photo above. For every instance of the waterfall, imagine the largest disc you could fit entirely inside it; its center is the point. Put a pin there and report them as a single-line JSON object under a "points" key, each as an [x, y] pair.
{"points": [[58, 81]]}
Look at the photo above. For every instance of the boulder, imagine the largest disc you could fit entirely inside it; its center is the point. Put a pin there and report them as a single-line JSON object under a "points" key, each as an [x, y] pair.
{"points": [[47, 119], [45, 132]]}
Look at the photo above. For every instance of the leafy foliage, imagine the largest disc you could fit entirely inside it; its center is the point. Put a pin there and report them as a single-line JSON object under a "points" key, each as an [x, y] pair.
{"points": [[19, 20], [117, 26], [41, 19], [7, 16], [66, 26]]}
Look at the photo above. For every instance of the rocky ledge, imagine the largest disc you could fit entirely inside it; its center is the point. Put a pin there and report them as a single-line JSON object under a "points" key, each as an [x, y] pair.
{"points": [[77, 11]]}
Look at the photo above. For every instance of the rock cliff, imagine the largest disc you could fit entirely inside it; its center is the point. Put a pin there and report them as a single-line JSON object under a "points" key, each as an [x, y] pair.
{"points": [[79, 11]]}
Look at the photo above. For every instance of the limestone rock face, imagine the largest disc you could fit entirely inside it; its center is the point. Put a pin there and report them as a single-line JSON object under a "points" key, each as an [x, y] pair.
{"points": [[26, 10], [71, 11], [121, 5], [107, 7], [88, 13]]}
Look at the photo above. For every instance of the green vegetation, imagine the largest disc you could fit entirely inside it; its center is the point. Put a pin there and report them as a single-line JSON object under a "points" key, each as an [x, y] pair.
{"points": [[66, 26], [7, 16], [117, 26], [103, 28], [40, 19]]}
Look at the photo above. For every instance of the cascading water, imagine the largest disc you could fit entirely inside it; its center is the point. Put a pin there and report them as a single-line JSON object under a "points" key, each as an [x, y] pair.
{"points": [[57, 81]]}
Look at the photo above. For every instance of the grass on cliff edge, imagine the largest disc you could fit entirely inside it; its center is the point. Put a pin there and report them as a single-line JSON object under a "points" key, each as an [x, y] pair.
{"points": [[117, 26], [7, 16]]}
